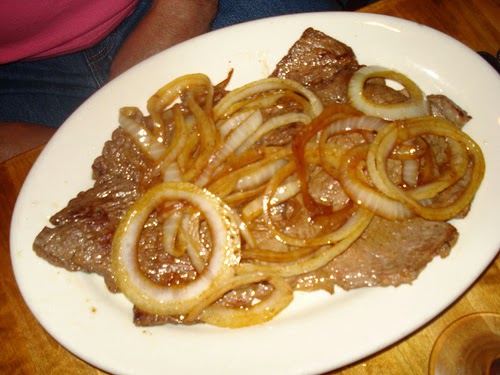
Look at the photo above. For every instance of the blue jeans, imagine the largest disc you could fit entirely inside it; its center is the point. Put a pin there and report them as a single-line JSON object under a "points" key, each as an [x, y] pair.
{"points": [[47, 91], [236, 11]]}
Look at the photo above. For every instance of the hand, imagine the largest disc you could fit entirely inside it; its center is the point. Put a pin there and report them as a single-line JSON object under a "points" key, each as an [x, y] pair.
{"points": [[168, 22]]}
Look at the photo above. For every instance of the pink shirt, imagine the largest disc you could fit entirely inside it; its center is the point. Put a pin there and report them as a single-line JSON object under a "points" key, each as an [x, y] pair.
{"points": [[35, 29]]}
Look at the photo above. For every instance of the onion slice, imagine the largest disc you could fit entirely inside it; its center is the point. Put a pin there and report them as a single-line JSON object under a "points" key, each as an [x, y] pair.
{"points": [[128, 119], [363, 193], [222, 108], [237, 317], [398, 132], [166, 95], [273, 124], [320, 257], [176, 299], [300, 142], [355, 220], [233, 140], [208, 140], [415, 106]]}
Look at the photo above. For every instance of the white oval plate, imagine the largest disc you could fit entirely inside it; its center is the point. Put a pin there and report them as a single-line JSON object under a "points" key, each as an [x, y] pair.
{"points": [[318, 332]]}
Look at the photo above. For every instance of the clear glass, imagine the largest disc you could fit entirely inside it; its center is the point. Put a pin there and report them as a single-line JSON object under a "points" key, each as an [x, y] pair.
{"points": [[468, 346]]}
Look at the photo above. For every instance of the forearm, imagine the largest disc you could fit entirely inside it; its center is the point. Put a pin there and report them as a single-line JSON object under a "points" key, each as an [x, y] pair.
{"points": [[169, 22]]}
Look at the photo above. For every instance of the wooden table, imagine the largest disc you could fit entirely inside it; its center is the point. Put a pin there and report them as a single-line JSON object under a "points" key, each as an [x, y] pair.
{"points": [[26, 348]]}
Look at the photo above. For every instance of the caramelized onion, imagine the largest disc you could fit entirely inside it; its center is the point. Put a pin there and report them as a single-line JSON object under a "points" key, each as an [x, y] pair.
{"points": [[398, 132], [410, 172], [233, 140], [177, 142], [353, 222], [140, 134], [331, 158], [166, 95], [170, 229], [191, 231], [254, 208], [259, 176], [329, 115], [176, 299], [207, 143], [321, 256], [229, 124], [416, 105], [237, 317], [223, 107], [225, 183], [272, 124], [363, 193]]}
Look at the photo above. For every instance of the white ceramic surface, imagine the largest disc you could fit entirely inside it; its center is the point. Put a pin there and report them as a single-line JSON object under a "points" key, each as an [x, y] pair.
{"points": [[318, 332]]}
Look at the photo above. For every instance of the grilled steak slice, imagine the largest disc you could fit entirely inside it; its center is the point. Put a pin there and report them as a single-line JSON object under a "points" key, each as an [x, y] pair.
{"points": [[83, 232], [388, 253], [443, 106], [121, 159], [144, 319], [320, 63]]}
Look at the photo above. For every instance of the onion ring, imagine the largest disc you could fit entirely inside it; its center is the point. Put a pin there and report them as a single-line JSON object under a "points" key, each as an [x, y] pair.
{"points": [[397, 132], [174, 300], [415, 106]]}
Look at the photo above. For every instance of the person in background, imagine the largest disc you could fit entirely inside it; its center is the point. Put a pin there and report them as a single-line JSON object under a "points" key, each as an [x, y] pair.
{"points": [[54, 54]]}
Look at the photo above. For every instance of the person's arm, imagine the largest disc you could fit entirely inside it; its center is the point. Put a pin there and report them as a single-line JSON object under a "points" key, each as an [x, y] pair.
{"points": [[168, 22]]}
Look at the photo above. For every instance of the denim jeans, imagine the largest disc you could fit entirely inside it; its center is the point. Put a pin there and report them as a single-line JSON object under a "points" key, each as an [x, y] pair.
{"points": [[236, 11], [47, 91]]}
